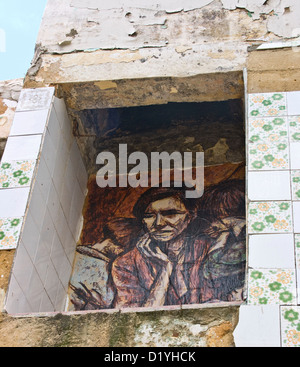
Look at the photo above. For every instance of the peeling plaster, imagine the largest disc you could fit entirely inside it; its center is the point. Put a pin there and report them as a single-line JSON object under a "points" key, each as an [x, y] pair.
{"points": [[169, 6], [96, 40], [284, 20]]}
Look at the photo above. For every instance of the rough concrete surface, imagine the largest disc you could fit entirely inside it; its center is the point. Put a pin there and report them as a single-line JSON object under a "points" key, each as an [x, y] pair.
{"points": [[185, 328]]}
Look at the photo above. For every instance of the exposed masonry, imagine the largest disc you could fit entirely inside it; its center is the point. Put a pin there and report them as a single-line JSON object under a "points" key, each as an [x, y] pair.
{"points": [[105, 39]]}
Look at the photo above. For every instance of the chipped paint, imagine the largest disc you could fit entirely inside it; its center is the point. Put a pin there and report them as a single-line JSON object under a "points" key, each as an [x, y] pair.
{"points": [[167, 5]]}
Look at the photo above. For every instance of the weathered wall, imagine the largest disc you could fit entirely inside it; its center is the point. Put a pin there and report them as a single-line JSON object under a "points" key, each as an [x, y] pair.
{"points": [[82, 41], [185, 328]]}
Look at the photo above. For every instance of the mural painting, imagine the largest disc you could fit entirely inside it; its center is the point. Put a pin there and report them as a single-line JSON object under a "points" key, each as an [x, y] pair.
{"points": [[152, 247]]}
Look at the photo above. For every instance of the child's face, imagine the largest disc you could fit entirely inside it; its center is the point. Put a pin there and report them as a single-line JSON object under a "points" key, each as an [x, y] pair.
{"points": [[223, 225]]}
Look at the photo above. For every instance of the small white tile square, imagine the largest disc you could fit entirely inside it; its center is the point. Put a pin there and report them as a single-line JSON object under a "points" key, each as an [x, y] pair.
{"points": [[296, 213], [258, 326], [22, 148], [293, 103], [29, 123], [295, 155], [271, 185], [271, 251], [13, 202], [35, 99]]}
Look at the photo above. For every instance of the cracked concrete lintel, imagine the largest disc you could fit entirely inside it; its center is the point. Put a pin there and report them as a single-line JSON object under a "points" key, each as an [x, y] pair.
{"points": [[170, 6]]}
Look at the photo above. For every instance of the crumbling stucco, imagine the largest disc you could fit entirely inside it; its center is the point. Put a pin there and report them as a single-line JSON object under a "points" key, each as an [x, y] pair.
{"points": [[88, 41], [191, 328]]}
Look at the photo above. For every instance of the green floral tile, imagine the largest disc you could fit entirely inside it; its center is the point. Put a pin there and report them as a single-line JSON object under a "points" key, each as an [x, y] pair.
{"points": [[10, 229], [290, 326], [16, 174], [267, 104], [271, 286], [268, 146], [270, 217], [297, 249], [296, 185], [294, 127]]}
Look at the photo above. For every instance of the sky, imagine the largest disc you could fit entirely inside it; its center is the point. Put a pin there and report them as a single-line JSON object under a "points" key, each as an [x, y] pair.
{"points": [[19, 25]]}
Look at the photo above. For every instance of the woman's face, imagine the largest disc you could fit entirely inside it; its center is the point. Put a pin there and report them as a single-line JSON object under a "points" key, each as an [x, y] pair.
{"points": [[166, 219]]}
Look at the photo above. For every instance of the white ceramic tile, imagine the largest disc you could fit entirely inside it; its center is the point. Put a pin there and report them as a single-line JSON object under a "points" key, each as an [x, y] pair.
{"points": [[296, 212], [52, 282], [48, 152], [60, 300], [30, 236], [29, 122], [37, 206], [271, 185], [47, 232], [22, 267], [53, 203], [61, 111], [46, 304], [54, 128], [66, 199], [258, 326], [13, 202], [70, 174], [22, 148], [295, 155], [57, 254], [35, 291], [15, 297], [64, 121], [43, 179], [293, 103], [68, 242], [35, 99], [65, 273], [42, 260], [58, 177], [70, 246], [271, 251]]}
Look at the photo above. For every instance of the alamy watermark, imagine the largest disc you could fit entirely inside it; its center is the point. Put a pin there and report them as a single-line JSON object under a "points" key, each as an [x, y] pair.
{"points": [[135, 170]]}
